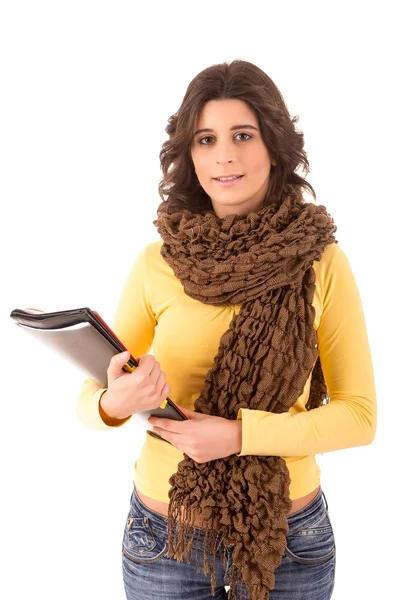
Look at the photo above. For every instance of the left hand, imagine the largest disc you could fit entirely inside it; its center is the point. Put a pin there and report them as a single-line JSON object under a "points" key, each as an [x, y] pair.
{"points": [[202, 437]]}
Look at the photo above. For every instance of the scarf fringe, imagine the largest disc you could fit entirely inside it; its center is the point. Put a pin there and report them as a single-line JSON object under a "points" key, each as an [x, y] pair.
{"points": [[257, 592], [184, 536]]}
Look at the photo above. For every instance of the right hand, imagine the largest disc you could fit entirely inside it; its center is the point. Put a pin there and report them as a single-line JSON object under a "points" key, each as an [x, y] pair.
{"points": [[128, 393]]}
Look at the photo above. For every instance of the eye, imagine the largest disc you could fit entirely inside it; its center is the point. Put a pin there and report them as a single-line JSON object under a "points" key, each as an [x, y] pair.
{"points": [[248, 136], [204, 138], [207, 137]]}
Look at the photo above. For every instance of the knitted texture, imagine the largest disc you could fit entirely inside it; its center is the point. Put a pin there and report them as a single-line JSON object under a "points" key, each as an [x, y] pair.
{"points": [[264, 262]]}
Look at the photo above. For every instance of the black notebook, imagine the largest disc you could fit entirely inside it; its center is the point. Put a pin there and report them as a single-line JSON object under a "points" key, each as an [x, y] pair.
{"points": [[83, 338]]}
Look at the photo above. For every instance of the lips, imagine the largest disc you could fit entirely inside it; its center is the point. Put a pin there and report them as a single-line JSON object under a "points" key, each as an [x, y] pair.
{"points": [[232, 175], [222, 183]]}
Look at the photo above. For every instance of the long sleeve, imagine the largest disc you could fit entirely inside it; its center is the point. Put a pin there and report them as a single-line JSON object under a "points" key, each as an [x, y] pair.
{"points": [[350, 418], [133, 324]]}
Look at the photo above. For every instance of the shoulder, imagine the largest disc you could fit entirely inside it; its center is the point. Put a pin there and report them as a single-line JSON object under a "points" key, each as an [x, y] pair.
{"points": [[153, 249], [149, 253], [333, 258], [151, 263], [334, 275]]}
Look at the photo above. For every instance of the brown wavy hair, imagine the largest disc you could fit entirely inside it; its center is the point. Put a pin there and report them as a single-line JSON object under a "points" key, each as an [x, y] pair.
{"points": [[245, 81]]}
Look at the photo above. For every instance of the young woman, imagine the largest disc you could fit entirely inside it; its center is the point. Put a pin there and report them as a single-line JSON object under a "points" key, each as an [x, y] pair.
{"points": [[257, 332]]}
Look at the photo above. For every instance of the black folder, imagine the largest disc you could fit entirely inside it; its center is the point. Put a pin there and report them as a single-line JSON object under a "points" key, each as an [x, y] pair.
{"points": [[83, 338]]}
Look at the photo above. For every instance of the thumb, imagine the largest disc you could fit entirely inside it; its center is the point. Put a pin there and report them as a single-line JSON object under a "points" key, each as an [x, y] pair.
{"points": [[115, 367]]}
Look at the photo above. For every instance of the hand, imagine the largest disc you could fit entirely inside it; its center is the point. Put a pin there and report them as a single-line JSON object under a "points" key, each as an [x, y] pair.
{"points": [[202, 437], [128, 393]]}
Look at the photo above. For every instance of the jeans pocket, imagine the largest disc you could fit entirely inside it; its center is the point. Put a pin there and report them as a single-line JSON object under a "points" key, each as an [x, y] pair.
{"points": [[313, 543], [140, 543]]}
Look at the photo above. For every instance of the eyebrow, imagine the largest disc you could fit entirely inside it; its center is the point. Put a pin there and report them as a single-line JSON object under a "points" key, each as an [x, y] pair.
{"points": [[231, 129]]}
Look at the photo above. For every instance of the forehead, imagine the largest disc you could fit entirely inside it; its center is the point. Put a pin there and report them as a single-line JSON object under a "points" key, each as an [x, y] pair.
{"points": [[216, 113]]}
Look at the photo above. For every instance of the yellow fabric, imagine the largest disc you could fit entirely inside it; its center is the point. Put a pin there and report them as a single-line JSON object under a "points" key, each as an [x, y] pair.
{"points": [[183, 333]]}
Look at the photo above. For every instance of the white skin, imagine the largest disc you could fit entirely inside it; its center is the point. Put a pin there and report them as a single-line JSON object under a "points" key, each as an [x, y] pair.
{"points": [[220, 152], [214, 153]]}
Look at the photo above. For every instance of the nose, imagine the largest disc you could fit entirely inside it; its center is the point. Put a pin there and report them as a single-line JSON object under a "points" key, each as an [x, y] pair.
{"points": [[224, 153], [224, 157]]}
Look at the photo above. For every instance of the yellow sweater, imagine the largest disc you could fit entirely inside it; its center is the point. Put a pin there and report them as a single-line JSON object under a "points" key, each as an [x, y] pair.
{"points": [[154, 312]]}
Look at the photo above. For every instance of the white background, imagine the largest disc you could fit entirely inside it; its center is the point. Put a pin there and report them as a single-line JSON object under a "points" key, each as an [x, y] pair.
{"points": [[86, 92]]}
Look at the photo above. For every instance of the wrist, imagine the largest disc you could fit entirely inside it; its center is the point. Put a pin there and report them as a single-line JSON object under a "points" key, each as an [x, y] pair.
{"points": [[237, 437], [109, 419]]}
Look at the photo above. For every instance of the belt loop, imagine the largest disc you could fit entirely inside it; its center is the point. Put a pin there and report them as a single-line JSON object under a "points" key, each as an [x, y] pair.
{"points": [[325, 500]]}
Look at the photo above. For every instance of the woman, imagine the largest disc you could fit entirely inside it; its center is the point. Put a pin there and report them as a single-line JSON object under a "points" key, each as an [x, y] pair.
{"points": [[258, 334]]}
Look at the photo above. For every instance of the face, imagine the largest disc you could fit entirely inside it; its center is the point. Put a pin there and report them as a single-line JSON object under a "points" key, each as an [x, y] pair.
{"points": [[231, 145]]}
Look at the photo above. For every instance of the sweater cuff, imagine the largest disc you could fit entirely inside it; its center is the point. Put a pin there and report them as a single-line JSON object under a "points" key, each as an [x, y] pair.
{"points": [[239, 416], [107, 420], [250, 436], [88, 408]]}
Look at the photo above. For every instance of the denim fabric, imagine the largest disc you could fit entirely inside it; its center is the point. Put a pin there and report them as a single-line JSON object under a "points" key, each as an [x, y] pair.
{"points": [[307, 571]]}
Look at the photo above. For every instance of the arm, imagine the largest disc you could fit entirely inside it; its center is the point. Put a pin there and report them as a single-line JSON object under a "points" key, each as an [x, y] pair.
{"points": [[134, 325], [350, 418]]}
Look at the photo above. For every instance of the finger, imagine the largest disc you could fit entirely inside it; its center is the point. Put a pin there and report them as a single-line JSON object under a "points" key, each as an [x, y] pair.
{"points": [[148, 364], [165, 435], [116, 363], [178, 441], [160, 383], [173, 438], [191, 414], [167, 424], [162, 387], [155, 371], [165, 391]]}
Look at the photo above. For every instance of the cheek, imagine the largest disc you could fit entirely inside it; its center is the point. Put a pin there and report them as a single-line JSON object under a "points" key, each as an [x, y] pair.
{"points": [[200, 165], [260, 166]]}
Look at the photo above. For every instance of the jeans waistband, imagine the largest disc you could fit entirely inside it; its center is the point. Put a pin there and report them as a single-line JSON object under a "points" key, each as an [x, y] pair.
{"points": [[314, 506], [137, 504]]}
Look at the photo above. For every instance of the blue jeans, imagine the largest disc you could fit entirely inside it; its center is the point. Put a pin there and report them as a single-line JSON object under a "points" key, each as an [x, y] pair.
{"points": [[307, 571]]}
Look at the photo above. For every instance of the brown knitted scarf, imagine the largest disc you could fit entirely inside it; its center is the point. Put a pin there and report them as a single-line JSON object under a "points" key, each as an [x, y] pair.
{"points": [[264, 262]]}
